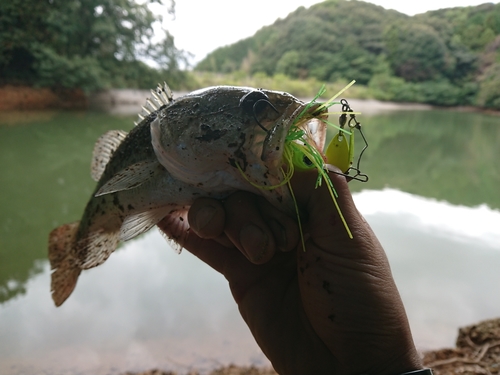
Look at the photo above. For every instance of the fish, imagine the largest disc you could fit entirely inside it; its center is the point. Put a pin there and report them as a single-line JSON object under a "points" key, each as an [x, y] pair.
{"points": [[208, 143]]}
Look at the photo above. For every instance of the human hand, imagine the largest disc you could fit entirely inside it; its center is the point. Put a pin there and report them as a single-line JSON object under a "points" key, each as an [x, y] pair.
{"points": [[331, 309]]}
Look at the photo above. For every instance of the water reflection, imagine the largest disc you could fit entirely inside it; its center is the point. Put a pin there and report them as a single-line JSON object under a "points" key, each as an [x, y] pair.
{"points": [[147, 307], [447, 155], [169, 310], [44, 182], [445, 260]]}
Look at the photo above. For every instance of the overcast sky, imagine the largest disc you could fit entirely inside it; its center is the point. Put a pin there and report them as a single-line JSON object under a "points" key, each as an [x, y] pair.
{"points": [[201, 26]]}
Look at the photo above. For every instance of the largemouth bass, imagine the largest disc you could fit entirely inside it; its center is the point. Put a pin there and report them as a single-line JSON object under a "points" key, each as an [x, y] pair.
{"points": [[208, 143]]}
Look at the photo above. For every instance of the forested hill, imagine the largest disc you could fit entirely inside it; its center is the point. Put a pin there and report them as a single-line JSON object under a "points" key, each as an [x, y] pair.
{"points": [[447, 57]]}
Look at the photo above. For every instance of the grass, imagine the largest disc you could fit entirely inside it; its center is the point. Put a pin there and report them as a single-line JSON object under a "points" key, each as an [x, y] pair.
{"points": [[305, 88]]}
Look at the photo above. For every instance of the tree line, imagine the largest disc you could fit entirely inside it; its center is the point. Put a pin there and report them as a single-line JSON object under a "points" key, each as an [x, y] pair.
{"points": [[86, 44], [444, 57]]}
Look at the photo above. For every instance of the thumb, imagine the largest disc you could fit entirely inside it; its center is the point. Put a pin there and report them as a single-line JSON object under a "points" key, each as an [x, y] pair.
{"points": [[330, 215]]}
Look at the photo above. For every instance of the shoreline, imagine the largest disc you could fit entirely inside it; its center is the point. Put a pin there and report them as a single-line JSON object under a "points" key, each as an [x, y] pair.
{"points": [[15, 98], [130, 101]]}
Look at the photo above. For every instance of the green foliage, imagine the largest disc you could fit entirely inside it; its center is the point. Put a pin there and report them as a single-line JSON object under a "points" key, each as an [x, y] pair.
{"points": [[444, 57], [81, 43], [67, 72], [438, 92], [489, 88], [415, 51], [332, 40], [229, 58], [292, 63]]}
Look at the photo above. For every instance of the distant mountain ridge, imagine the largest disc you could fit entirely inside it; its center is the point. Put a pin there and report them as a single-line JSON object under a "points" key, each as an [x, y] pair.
{"points": [[447, 57]]}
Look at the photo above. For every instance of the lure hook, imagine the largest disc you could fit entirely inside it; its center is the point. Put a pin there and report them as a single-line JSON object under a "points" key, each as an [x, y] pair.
{"points": [[254, 110]]}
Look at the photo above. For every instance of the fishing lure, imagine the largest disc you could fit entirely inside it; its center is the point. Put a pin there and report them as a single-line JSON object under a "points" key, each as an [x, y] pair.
{"points": [[301, 152], [340, 152]]}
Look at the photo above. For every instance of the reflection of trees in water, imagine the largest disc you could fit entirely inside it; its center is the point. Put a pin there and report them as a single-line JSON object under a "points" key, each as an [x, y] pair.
{"points": [[45, 177], [440, 154], [44, 181]]}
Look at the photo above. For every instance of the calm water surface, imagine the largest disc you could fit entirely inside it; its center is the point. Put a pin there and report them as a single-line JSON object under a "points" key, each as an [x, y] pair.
{"points": [[432, 199]]}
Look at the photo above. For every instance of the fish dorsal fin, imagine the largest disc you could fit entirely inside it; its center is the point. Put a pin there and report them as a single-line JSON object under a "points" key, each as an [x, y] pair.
{"points": [[141, 222], [159, 97], [131, 177], [104, 148]]}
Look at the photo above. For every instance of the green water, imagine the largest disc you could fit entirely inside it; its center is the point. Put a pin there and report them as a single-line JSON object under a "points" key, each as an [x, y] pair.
{"points": [[44, 182], [45, 173], [447, 155]]}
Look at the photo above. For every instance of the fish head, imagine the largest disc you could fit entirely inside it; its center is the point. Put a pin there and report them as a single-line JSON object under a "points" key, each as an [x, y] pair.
{"points": [[305, 116], [232, 137]]}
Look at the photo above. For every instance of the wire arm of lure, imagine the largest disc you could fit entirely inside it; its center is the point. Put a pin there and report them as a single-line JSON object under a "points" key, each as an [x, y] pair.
{"points": [[362, 177], [353, 123]]}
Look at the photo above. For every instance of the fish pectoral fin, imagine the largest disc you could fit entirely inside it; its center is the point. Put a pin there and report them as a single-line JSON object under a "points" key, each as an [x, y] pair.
{"points": [[175, 228], [141, 222], [104, 148], [131, 177]]}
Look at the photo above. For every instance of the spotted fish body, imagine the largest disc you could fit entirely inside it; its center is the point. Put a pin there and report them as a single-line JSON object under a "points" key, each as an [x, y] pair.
{"points": [[208, 143]]}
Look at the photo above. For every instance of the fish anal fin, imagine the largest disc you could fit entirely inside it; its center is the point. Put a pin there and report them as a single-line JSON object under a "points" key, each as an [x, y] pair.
{"points": [[62, 262], [141, 222], [96, 248], [175, 228], [131, 177], [104, 148]]}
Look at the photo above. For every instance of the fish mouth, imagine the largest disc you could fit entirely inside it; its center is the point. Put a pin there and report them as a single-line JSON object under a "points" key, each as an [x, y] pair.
{"points": [[308, 117]]}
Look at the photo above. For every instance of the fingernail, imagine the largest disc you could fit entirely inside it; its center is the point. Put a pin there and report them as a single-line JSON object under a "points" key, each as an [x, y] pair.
{"points": [[254, 242], [204, 216]]}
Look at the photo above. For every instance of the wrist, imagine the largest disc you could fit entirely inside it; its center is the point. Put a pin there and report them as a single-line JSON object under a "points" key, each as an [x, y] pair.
{"points": [[423, 371], [408, 364]]}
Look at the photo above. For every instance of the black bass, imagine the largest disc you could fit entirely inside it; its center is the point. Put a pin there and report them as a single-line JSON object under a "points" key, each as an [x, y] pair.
{"points": [[209, 143]]}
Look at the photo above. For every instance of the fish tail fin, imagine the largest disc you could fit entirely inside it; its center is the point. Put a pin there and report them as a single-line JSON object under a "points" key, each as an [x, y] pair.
{"points": [[63, 262]]}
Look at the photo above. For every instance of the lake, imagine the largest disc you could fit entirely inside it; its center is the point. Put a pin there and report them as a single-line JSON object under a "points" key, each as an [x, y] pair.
{"points": [[432, 198]]}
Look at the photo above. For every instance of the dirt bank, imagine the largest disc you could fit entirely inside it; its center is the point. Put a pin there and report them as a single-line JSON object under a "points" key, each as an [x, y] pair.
{"points": [[477, 352], [30, 98]]}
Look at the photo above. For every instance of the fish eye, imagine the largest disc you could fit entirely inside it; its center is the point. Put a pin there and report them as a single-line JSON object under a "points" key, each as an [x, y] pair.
{"points": [[254, 102]]}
